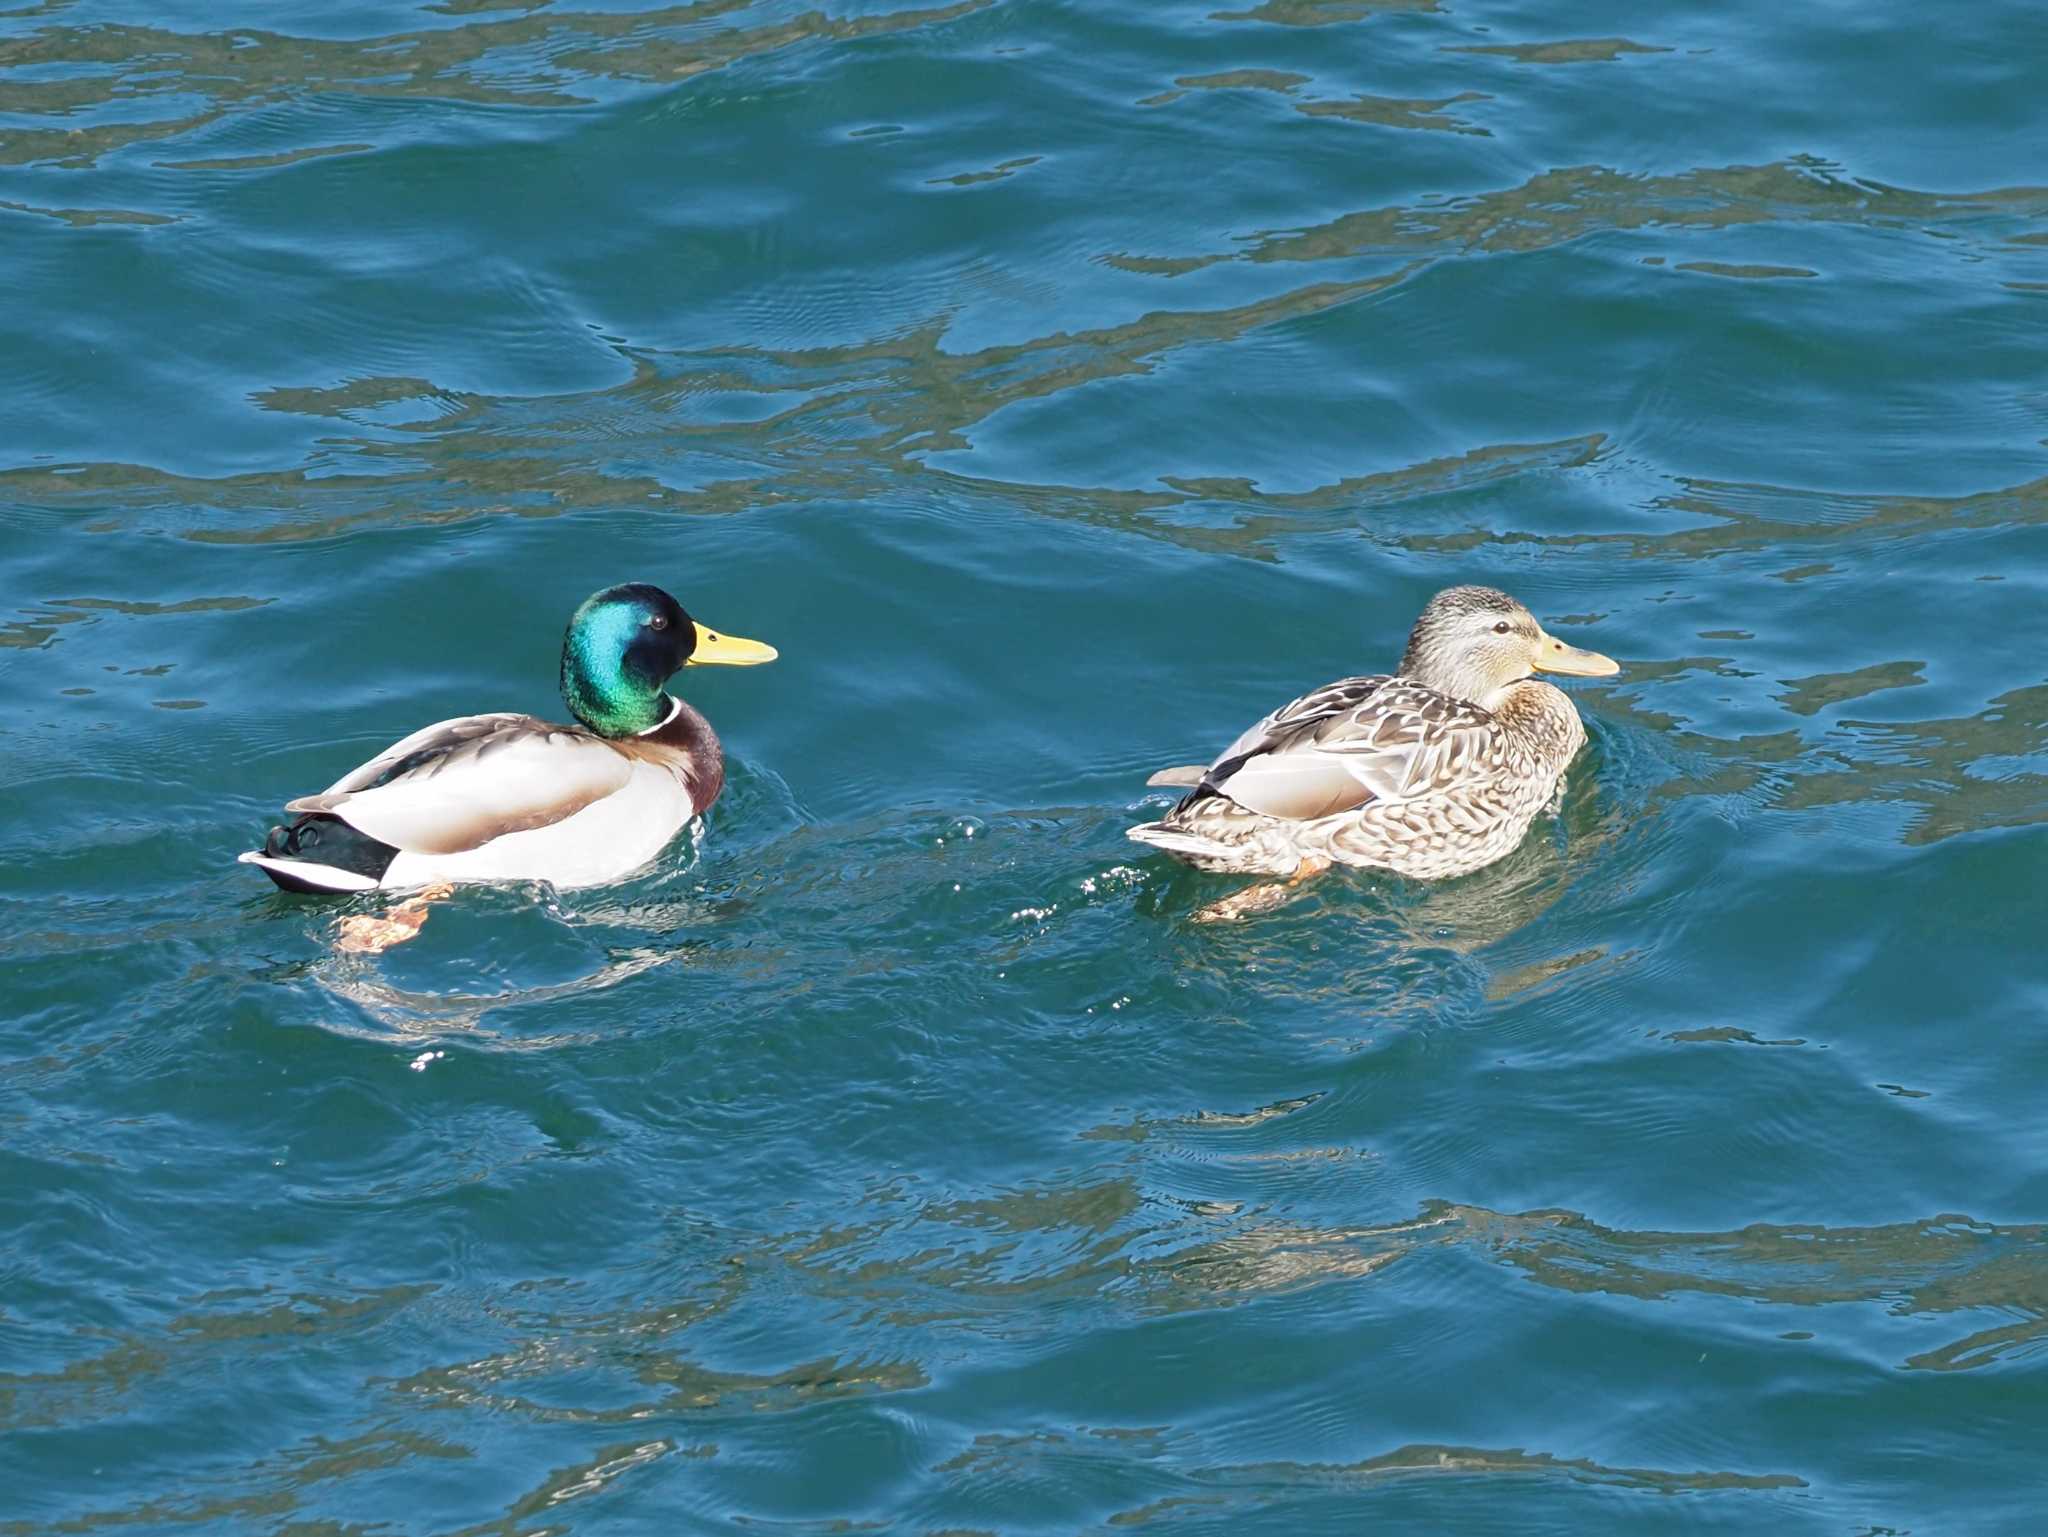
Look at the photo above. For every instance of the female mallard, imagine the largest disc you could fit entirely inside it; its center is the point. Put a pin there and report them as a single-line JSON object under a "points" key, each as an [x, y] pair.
{"points": [[1434, 771], [512, 798]]}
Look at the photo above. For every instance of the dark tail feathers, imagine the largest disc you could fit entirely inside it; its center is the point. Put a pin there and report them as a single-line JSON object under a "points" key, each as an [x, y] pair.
{"points": [[321, 839]]}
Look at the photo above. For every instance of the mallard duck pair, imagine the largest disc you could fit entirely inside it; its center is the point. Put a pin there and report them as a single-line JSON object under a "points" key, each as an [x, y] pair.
{"points": [[1434, 770]]}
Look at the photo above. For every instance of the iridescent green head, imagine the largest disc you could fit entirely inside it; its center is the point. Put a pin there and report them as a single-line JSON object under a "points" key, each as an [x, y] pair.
{"points": [[624, 644]]}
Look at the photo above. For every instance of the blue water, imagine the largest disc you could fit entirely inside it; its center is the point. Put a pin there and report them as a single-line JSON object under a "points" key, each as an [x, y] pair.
{"points": [[1059, 387]]}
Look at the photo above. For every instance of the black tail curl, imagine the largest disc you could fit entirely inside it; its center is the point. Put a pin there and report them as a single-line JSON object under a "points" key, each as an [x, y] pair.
{"points": [[321, 839]]}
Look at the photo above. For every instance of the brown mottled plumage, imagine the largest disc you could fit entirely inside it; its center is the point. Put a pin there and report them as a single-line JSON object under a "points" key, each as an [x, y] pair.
{"points": [[1434, 771]]}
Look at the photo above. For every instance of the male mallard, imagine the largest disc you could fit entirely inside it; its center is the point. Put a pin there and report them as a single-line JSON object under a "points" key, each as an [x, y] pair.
{"points": [[512, 798], [1434, 771]]}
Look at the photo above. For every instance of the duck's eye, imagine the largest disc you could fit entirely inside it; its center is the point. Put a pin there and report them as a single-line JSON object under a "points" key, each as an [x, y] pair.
{"points": [[1502, 628], [658, 621]]}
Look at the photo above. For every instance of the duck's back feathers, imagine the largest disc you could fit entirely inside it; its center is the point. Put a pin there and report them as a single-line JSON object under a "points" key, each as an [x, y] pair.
{"points": [[459, 784], [418, 750], [1348, 743]]}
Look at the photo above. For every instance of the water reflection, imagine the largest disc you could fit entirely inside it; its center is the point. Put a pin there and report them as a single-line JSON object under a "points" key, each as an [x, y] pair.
{"points": [[946, 1261], [1956, 775], [1324, 13], [1723, 518], [1241, 1487], [681, 1384], [102, 1383], [1584, 50], [541, 61], [1377, 111], [591, 1476], [1554, 207], [1037, 1463], [897, 399], [992, 1264]]}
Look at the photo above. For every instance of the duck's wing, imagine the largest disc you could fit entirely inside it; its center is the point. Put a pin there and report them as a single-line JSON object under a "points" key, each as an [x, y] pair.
{"points": [[1347, 743], [458, 784]]}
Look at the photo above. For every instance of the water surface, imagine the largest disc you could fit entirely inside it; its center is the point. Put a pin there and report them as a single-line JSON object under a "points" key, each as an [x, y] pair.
{"points": [[1059, 387]]}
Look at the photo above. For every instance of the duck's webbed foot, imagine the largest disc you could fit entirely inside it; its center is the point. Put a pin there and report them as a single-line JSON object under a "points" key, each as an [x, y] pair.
{"points": [[1265, 896], [363, 934]]}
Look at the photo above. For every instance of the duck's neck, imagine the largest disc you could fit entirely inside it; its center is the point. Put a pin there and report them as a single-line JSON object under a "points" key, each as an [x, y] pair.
{"points": [[1448, 677], [604, 694]]}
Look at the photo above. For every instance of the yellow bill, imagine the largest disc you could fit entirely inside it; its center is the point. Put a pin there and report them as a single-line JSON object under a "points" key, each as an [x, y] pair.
{"points": [[1553, 655], [716, 650]]}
